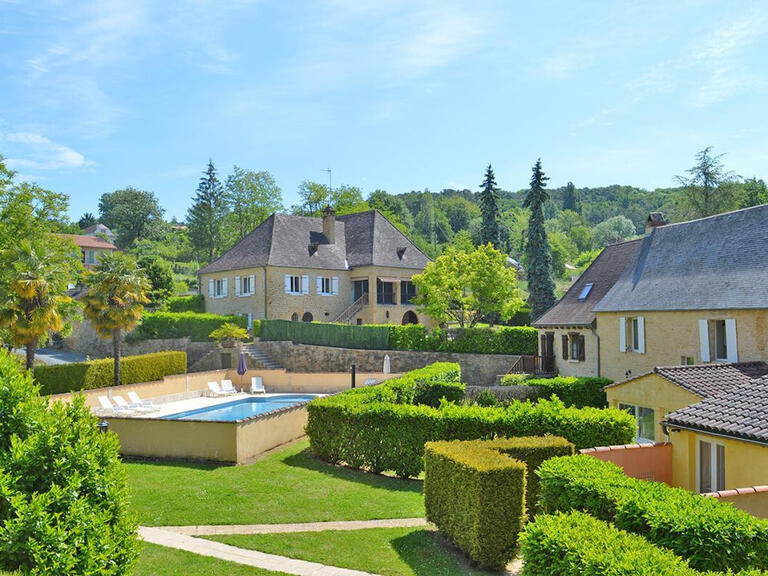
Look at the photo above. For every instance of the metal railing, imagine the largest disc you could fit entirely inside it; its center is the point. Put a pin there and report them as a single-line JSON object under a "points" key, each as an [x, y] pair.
{"points": [[353, 309], [528, 364]]}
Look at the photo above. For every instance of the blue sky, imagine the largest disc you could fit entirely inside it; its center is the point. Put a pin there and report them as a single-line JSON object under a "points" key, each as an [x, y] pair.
{"points": [[397, 95]]}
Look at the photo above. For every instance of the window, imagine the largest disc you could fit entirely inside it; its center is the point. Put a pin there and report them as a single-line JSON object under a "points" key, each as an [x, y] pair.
{"points": [[718, 340], [646, 421], [720, 344], [219, 288], [711, 467], [323, 285], [359, 287], [295, 317], [244, 286], [632, 334], [585, 291], [91, 257], [296, 284], [385, 292], [307, 317], [407, 291], [573, 347]]}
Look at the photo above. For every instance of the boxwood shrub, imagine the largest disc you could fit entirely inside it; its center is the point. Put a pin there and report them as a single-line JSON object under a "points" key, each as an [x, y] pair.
{"points": [[158, 325], [384, 427], [59, 378], [573, 391], [710, 534], [479, 493], [193, 303]]}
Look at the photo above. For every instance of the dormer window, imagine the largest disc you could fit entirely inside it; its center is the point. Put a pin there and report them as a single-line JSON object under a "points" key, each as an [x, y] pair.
{"points": [[401, 252], [585, 291], [313, 248]]}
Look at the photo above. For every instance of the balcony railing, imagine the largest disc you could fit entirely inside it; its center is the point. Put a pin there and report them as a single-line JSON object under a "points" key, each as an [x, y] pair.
{"points": [[534, 365]]}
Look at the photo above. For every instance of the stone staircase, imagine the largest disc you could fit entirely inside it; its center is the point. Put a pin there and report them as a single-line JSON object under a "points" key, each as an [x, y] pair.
{"points": [[260, 358], [352, 310]]}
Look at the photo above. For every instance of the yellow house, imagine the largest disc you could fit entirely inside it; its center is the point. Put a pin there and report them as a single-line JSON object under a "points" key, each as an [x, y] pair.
{"points": [[721, 443], [91, 248], [650, 397], [568, 332], [693, 293], [356, 268]]}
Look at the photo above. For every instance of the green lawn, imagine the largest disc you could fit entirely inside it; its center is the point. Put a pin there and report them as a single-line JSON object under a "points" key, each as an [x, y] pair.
{"points": [[159, 561], [386, 551], [287, 486]]}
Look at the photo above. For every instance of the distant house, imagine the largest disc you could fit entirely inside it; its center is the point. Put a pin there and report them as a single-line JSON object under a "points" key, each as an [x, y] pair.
{"points": [[356, 268], [91, 248], [100, 230], [568, 332], [693, 293]]}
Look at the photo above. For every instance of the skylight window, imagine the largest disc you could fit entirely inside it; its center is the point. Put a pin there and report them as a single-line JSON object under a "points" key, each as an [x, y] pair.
{"points": [[585, 291]]}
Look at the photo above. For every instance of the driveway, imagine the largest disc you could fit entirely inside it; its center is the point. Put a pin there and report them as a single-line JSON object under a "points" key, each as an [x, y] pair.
{"points": [[51, 356]]}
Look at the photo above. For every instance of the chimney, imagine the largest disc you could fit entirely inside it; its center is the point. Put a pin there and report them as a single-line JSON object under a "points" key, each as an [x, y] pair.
{"points": [[329, 224], [655, 219]]}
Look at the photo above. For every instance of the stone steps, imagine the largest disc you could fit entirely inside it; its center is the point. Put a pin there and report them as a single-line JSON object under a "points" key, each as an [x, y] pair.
{"points": [[260, 357]]}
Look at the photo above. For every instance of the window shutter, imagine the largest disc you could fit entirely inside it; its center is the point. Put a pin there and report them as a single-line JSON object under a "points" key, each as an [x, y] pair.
{"points": [[224, 288], [238, 290], [305, 284], [622, 334], [582, 353], [565, 346], [730, 340], [335, 285], [704, 339], [287, 284], [319, 284], [543, 346], [252, 282], [210, 288], [641, 334]]}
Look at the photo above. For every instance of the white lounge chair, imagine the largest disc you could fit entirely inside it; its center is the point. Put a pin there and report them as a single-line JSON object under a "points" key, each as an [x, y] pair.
{"points": [[214, 390], [257, 385], [106, 404], [370, 382], [227, 388], [143, 405]]}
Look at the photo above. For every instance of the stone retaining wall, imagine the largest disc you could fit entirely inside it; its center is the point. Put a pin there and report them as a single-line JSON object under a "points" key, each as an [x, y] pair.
{"points": [[476, 369]]}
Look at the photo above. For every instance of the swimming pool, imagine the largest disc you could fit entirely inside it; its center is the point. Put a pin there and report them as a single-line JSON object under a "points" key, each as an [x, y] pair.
{"points": [[242, 408]]}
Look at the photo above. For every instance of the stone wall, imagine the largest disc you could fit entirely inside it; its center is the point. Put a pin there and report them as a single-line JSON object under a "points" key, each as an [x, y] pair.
{"points": [[476, 369]]}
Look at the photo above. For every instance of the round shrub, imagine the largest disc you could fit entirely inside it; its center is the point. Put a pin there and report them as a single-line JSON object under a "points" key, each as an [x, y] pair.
{"points": [[63, 490]]}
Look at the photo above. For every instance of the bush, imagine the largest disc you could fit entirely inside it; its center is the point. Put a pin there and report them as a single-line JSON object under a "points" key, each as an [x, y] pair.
{"points": [[63, 491], [710, 534], [227, 334], [59, 378], [500, 340], [194, 303], [372, 337], [198, 327], [382, 427], [573, 391], [487, 398], [516, 379]]}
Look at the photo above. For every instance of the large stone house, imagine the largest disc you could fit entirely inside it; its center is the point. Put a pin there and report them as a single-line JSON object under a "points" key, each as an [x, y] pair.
{"points": [[568, 332], [356, 268], [693, 293]]}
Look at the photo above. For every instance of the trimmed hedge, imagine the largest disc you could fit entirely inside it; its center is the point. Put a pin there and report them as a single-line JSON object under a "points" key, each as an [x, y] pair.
{"points": [[160, 325], [370, 337], [574, 391], [480, 493], [710, 534], [380, 428], [193, 303], [59, 378]]}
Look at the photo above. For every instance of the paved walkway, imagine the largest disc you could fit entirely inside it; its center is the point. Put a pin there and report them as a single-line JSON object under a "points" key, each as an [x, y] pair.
{"points": [[287, 528]]}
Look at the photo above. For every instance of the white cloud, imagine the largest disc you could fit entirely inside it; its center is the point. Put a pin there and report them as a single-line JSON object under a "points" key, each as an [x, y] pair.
{"points": [[36, 152], [733, 38]]}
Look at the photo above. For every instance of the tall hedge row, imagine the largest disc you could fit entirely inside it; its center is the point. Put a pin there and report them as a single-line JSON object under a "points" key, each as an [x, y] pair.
{"points": [[60, 378], [479, 493], [196, 326], [370, 337], [710, 534], [573, 391], [192, 303], [369, 428]]}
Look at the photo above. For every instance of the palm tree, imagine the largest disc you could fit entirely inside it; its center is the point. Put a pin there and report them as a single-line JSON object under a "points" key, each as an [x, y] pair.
{"points": [[115, 299], [33, 292]]}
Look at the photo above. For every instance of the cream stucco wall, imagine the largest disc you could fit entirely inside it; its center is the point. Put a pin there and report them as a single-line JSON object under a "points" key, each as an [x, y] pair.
{"points": [[746, 463], [652, 391], [277, 304], [571, 367], [670, 335]]}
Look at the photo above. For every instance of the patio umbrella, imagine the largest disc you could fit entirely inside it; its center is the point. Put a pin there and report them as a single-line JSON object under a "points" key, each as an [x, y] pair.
{"points": [[241, 368]]}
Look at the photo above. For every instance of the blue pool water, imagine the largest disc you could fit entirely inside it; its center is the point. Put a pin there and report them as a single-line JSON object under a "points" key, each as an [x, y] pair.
{"points": [[243, 408]]}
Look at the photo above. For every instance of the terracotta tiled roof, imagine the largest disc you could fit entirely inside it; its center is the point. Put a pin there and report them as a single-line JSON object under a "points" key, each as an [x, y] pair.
{"points": [[740, 412], [602, 273], [90, 242]]}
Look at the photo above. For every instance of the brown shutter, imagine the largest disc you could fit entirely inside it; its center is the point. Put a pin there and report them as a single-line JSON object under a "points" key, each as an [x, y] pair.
{"points": [[543, 351], [565, 346], [582, 341]]}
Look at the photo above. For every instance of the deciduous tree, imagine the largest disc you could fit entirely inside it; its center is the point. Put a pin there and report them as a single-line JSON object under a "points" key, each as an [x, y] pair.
{"points": [[133, 214], [251, 196]]}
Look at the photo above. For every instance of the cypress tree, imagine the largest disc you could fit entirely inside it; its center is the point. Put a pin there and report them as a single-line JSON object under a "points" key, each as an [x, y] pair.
{"points": [[541, 284], [489, 208], [569, 198], [206, 214]]}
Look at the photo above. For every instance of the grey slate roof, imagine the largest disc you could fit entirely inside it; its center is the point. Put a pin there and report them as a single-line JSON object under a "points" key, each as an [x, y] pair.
{"points": [[602, 274], [714, 263], [362, 239], [707, 380], [740, 412]]}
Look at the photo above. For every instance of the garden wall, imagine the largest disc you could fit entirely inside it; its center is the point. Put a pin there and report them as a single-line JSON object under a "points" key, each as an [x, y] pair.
{"points": [[642, 461], [476, 369]]}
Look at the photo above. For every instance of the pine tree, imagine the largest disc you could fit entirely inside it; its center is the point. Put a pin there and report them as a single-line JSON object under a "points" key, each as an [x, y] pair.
{"points": [[541, 284], [207, 213], [489, 208], [569, 198]]}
